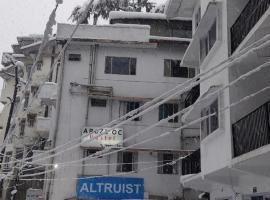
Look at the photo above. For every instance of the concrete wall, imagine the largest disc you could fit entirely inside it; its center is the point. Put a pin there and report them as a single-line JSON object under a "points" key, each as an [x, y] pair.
{"points": [[148, 82], [220, 139]]}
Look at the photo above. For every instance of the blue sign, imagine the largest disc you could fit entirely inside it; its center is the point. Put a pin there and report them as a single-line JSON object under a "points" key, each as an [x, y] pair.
{"points": [[110, 188]]}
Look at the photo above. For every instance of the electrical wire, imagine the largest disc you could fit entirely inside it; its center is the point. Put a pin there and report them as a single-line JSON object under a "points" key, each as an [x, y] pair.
{"points": [[180, 128], [266, 40], [242, 77]]}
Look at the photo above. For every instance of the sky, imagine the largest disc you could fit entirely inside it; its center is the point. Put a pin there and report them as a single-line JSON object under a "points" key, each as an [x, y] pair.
{"points": [[24, 17]]}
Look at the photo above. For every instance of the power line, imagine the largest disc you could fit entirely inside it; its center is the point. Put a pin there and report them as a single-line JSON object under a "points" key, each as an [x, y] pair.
{"points": [[240, 78]]}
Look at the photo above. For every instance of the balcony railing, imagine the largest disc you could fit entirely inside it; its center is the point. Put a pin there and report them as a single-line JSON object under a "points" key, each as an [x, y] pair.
{"points": [[192, 96], [250, 15], [252, 131], [192, 163]]}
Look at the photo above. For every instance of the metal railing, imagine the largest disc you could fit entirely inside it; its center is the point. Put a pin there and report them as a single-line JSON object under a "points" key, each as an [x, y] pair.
{"points": [[192, 96], [192, 163], [252, 131], [250, 15]]}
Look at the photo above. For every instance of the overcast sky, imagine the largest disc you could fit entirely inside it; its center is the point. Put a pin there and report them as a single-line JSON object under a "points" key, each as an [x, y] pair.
{"points": [[24, 17]]}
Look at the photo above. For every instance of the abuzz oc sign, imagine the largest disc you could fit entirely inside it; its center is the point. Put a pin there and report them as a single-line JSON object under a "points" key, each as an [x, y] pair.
{"points": [[101, 137]]}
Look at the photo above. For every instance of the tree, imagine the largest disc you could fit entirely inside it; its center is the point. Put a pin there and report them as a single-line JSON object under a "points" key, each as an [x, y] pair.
{"points": [[102, 8]]}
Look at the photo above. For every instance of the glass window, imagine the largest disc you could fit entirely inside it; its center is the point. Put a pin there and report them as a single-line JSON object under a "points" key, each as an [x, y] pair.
{"points": [[167, 163], [197, 17], [98, 102], [26, 99], [120, 65], [172, 68], [22, 127], [211, 123], [74, 57], [168, 109], [133, 106], [39, 65], [31, 119], [208, 41], [212, 35], [127, 161]]}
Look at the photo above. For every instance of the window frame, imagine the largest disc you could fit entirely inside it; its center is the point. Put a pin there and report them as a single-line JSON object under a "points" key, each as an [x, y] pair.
{"points": [[39, 65], [206, 42], [109, 65], [98, 102], [122, 166], [207, 127], [163, 163], [22, 127], [169, 69], [166, 114], [136, 105], [74, 57]]}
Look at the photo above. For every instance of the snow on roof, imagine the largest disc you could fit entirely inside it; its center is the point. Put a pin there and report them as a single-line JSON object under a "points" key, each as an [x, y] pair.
{"points": [[35, 44], [118, 32], [140, 15]]}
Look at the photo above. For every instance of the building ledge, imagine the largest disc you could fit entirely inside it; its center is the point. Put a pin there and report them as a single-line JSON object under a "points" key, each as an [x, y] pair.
{"points": [[197, 182], [191, 57]]}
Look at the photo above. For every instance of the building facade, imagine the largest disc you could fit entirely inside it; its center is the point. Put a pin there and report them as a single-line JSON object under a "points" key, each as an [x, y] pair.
{"points": [[106, 72], [230, 47]]}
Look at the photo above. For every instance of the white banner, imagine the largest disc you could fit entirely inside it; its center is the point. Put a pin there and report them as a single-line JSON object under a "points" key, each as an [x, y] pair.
{"points": [[101, 137]]}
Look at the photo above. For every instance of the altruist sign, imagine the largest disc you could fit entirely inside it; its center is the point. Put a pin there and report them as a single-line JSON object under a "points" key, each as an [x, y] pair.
{"points": [[101, 137], [110, 188]]}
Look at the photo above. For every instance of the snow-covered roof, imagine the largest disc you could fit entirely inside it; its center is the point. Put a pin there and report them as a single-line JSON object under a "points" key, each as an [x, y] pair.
{"points": [[35, 44], [117, 32], [141, 15]]}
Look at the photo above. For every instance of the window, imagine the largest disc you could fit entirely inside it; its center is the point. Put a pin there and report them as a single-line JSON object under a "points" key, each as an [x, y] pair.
{"points": [[22, 127], [7, 159], [89, 152], [19, 153], [167, 163], [74, 57], [127, 161], [197, 17], [120, 65], [168, 109], [211, 123], [39, 65], [26, 99], [31, 119], [208, 41], [133, 106], [172, 68], [98, 102], [34, 90]]}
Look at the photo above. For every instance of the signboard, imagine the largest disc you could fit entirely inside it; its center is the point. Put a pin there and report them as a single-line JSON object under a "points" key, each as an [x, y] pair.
{"points": [[34, 194], [110, 188], [101, 137]]}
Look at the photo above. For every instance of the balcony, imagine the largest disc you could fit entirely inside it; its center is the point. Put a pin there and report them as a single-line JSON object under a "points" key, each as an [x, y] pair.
{"points": [[192, 163], [48, 93], [252, 131], [248, 18], [43, 126]]}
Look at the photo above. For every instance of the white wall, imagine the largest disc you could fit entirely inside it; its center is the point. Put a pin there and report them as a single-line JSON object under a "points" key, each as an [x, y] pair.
{"points": [[220, 139], [148, 82]]}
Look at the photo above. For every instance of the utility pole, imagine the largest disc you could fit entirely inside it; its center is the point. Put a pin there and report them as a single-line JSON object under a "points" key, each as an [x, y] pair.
{"points": [[13, 99]]}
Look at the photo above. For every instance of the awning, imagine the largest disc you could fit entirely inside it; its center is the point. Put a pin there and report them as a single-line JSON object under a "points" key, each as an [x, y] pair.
{"points": [[203, 101]]}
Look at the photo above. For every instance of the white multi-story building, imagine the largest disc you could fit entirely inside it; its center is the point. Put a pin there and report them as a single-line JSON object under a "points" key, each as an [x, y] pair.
{"points": [[30, 120], [233, 160], [108, 71]]}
